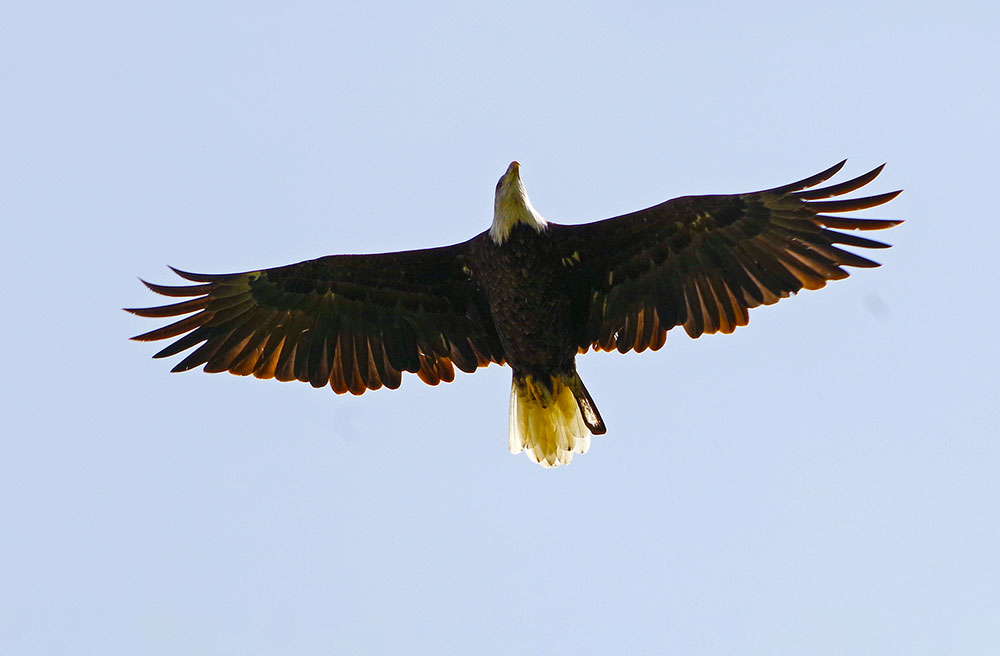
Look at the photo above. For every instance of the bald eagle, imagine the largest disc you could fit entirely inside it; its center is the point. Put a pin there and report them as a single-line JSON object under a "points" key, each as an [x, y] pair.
{"points": [[527, 293]]}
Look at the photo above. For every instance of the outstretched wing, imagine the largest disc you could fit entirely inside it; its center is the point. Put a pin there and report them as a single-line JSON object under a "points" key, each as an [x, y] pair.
{"points": [[353, 322], [703, 261]]}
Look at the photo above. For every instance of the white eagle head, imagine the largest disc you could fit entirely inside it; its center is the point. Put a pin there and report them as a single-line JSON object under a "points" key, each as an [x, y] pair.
{"points": [[512, 206]]}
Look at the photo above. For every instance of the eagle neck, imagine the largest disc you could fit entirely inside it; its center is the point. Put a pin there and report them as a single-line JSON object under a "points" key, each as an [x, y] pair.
{"points": [[511, 209]]}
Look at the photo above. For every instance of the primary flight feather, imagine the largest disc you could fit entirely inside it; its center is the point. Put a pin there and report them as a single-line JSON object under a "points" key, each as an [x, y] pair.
{"points": [[527, 293]]}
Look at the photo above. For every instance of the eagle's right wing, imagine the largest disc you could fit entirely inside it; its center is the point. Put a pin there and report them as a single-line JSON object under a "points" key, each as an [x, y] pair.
{"points": [[702, 261], [353, 322]]}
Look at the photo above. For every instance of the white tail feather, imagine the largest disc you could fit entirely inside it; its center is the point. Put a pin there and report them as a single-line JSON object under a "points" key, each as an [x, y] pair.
{"points": [[546, 423]]}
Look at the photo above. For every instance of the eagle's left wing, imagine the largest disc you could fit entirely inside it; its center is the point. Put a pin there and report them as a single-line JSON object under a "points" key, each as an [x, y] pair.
{"points": [[353, 322], [703, 261]]}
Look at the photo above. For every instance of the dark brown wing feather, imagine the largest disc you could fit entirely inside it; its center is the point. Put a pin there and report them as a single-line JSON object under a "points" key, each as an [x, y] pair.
{"points": [[702, 261], [353, 322]]}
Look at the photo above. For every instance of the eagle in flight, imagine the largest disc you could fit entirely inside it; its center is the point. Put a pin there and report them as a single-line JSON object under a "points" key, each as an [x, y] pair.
{"points": [[528, 293]]}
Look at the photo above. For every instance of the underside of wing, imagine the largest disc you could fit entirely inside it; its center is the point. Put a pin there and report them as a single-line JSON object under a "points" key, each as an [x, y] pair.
{"points": [[703, 261], [353, 322]]}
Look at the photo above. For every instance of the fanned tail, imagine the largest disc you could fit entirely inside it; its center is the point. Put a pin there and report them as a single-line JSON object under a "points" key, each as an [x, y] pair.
{"points": [[552, 419]]}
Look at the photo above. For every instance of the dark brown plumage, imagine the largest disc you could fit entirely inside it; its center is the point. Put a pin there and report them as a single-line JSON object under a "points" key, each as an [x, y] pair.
{"points": [[533, 297]]}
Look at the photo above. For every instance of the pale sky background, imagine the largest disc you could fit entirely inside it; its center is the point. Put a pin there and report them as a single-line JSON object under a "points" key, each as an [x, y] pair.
{"points": [[824, 481]]}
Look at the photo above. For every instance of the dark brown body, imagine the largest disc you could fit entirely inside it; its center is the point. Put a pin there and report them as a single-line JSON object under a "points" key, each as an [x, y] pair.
{"points": [[528, 287]]}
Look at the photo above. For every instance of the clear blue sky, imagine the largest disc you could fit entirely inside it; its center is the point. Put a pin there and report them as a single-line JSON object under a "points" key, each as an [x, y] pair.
{"points": [[824, 481]]}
